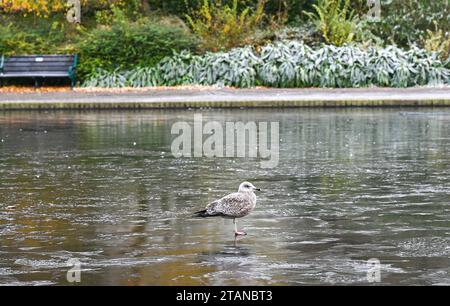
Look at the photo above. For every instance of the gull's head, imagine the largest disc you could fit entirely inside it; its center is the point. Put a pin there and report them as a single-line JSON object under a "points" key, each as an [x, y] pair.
{"points": [[247, 187]]}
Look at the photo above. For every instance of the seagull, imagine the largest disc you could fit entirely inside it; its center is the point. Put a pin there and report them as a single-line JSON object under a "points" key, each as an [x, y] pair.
{"points": [[232, 206]]}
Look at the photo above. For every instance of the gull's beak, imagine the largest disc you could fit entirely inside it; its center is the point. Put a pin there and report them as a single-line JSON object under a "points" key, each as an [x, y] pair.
{"points": [[258, 189]]}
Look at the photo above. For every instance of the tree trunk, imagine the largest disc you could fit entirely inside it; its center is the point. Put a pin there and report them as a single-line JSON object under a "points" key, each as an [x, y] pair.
{"points": [[145, 6]]}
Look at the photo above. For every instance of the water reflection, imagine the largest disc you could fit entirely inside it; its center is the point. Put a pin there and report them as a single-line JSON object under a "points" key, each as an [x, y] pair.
{"points": [[103, 187]]}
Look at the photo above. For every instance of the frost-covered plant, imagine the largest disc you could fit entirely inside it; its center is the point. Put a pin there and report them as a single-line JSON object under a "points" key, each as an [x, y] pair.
{"points": [[143, 77], [176, 70], [106, 79], [234, 68], [288, 64]]}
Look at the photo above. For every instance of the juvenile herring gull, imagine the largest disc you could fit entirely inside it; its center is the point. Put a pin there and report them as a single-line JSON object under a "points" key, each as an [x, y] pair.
{"points": [[232, 206]]}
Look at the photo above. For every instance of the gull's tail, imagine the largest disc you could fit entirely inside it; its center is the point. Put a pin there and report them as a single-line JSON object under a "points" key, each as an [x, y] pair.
{"points": [[201, 214], [210, 211], [204, 214]]}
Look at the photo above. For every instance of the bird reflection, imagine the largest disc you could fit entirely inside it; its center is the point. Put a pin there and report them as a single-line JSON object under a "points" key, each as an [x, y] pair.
{"points": [[229, 249], [234, 249]]}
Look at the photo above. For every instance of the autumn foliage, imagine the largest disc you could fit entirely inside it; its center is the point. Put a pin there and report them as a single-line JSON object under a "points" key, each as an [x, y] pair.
{"points": [[43, 8]]}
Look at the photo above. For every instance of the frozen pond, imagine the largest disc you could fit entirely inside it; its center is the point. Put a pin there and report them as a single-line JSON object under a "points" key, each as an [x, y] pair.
{"points": [[104, 188]]}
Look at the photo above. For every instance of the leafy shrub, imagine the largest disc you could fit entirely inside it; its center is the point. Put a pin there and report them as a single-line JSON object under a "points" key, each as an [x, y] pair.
{"points": [[234, 68], [107, 79], [47, 38], [406, 22], [438, 41], [221, 26], [126, 44], [289, 64], [290, 8], [335, 20], [46, 8], [306, 32]]}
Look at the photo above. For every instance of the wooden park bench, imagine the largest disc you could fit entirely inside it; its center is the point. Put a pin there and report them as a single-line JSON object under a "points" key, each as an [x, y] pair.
{"points": [[39, 66]]}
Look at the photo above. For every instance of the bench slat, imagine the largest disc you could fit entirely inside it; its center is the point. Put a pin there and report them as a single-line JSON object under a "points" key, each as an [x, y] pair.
{"points": [[33, 58], [34, 68], [31, 64], [34, 74], [13, 64], [67, 63]]}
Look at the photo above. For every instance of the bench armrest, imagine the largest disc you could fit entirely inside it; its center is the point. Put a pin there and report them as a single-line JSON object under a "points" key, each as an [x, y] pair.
{"points": [[75, 62], [72, 70]]}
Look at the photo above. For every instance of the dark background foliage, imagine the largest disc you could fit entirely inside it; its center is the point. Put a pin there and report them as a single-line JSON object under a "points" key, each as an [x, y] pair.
{"points": [[123, 34]]}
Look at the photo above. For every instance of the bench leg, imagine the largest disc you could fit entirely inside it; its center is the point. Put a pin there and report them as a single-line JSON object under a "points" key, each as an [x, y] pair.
{"points": [[72, 82]]}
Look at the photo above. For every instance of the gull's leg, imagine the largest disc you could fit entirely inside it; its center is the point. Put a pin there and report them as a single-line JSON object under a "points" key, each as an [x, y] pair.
{"points": [[236, 232]]}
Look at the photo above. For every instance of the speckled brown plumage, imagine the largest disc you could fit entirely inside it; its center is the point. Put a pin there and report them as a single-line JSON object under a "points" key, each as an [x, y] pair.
{"points": [[235, 205]]}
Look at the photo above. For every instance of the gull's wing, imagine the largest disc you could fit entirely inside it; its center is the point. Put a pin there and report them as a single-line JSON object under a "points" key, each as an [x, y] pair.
{"points": [[234, 205]]}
